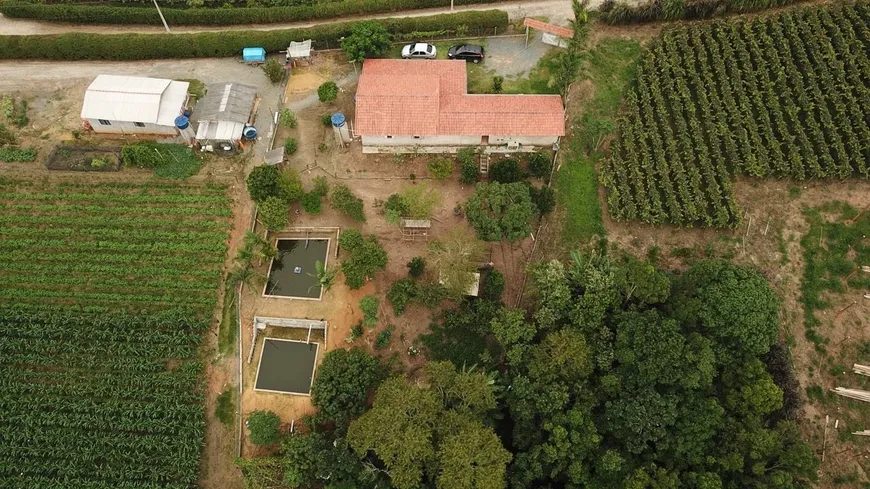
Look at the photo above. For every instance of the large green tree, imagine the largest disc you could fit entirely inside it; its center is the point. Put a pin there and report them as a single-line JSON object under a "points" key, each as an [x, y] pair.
{"points": [[434, 434], [366, 40], [363, 257], [343, 382], [501, 211]]}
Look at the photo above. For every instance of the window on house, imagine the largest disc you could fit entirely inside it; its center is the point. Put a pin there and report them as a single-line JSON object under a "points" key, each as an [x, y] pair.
{"points": [[389, 137], [104, 122], [416, 137], [139, 124]]}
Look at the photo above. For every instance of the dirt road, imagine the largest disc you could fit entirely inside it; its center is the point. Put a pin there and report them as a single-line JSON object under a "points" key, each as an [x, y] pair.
{"points": [[557, 11]]}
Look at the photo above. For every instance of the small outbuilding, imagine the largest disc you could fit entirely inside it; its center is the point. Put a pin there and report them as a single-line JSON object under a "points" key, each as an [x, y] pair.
{"points": [[134, 105], [222, 115]]}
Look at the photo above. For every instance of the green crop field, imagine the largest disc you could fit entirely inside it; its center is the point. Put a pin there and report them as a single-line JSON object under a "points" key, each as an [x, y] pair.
{"points": [[105, 292], [782, 96]]}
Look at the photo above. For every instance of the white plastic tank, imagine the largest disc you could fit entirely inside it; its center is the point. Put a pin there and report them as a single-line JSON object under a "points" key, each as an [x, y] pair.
{"points": [[339, 125]]}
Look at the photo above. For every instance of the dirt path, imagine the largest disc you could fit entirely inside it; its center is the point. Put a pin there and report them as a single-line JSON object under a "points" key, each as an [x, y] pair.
{"points": [[557, 11]]}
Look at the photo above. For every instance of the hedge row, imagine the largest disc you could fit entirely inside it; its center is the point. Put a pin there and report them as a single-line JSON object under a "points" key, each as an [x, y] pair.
{"points": [[75, 46], [113, 14], [616, 12]]}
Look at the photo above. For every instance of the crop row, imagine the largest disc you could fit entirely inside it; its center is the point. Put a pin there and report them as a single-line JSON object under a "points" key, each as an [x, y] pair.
{"points": [[782, 96], [81, 210], [136, 198]]}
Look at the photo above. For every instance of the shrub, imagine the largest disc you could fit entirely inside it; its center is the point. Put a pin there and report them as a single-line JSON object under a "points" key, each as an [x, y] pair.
{"points": [[369, 306], [544, 199], [274, 70], [321, 186], [416, 267], [77, 46], [326, 120], [383, 339], [344, 201], [262, 182], [98, 163], [422, 200], [6, 136], [395, 208], [312, 203], [441, 168], [366, 40], [327, 92], [265, 427], [363, 257], [274, 213], [287, 118], [224, 408], [506, 171], [290, 146], [497, 84], [11, 155], [430, 294], [289, 185], [468, 169], [401, 294], [491, 284], [540, 165]]}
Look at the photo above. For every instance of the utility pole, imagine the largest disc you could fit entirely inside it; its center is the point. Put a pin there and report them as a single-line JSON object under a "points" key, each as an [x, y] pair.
{"points": [[165, 25]]}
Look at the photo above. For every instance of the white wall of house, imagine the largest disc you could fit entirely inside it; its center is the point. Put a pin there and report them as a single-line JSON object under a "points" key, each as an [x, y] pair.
{"points": [[524, 140], [452, 144], [125, 127], [421, 141]]}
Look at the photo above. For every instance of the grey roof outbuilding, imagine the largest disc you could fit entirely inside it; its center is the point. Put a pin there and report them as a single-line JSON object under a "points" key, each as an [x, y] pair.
{"points": [[226, 101]]}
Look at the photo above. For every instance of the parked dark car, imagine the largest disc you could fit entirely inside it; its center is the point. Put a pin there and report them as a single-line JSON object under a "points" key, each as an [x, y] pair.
{"points": [[468, 52]]}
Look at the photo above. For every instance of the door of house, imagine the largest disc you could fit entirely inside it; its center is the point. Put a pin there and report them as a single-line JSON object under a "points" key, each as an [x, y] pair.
{"points": [[484, 140]]}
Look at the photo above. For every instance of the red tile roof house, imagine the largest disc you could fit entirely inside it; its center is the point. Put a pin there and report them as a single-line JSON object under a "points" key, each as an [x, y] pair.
{"points": [[422, 106]]}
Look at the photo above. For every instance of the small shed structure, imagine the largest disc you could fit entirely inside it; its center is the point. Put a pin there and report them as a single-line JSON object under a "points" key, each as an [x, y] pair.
{"points": [[553, 35], [415, 228], [134, 105], [298, 51], [223, 113]]}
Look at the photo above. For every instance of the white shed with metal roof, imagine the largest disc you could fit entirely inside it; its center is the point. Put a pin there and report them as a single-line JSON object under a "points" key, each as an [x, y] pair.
{"points": [[134, 105], [224, 112]]}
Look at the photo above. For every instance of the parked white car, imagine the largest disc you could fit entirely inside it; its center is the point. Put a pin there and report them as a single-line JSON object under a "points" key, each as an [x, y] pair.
{"points": [[420, 50]]}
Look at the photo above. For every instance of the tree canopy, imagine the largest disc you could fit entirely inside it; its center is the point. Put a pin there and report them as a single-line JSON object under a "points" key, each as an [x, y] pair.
{"points": [[343, 382], [363, 257], [366, 40], [501, 211]]}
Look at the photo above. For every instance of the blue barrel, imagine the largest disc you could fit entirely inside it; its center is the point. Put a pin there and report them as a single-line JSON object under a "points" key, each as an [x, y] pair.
{"points": [[250, 132], [182, 122], [338, 119], [187, 113]]}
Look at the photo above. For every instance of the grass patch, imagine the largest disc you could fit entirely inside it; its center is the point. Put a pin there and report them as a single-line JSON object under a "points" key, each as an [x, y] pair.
{"points": [[175, 161], [225, 407], [834, 247], [228, 329], [610, 67]]}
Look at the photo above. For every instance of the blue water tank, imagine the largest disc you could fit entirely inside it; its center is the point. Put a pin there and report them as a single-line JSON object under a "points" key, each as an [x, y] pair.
{"points": [[250, 132], [182, 122], [338, 119]]}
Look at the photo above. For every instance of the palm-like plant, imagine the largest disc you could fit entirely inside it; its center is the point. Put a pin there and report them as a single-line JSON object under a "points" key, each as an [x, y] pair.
{"points": [[325, 276]]}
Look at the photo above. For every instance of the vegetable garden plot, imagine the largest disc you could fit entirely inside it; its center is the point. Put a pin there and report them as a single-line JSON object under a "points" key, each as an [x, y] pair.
{"points": [[105, 292], [286, 366], [293, 273], [782, 96]]}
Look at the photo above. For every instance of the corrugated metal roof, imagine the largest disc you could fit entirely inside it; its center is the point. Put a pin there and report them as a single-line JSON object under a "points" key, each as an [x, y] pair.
{"points": [[551, 28], [428, 98], [219, 131], [134, 99], [226, 101]]}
